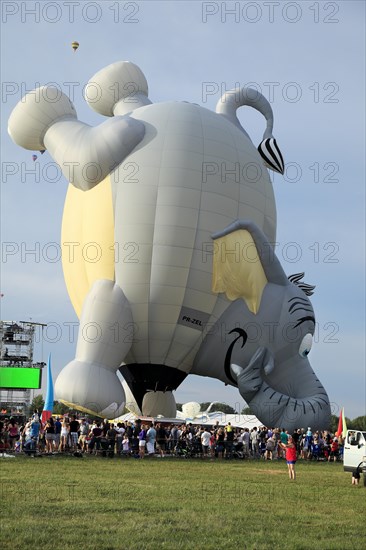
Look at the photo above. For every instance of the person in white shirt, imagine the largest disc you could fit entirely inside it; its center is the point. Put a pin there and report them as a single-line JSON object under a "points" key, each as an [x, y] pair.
{"points": [[120, 432], [254, 441], [205, 441], [246, 439], [151, 440]]}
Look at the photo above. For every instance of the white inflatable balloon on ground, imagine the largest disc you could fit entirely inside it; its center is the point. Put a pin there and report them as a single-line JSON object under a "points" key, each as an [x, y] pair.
{"points": [[191, 409]]}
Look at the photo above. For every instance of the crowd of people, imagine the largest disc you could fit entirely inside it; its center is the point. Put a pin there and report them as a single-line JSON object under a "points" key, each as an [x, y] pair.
{"points": [[80, 435]]}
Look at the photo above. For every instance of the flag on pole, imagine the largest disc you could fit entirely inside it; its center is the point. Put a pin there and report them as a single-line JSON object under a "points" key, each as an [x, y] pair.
{"points": [[342, 426], [48, 406]]}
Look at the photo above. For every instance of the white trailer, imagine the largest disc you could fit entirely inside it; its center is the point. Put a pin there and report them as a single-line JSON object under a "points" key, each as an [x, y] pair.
{"points": [[354, 457]]}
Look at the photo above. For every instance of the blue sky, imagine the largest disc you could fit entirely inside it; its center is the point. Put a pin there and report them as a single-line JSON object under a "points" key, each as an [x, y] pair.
{"points": [[307, 58]]}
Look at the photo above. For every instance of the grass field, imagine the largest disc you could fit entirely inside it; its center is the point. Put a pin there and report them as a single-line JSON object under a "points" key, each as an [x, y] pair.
{"points": [[106, 504]]}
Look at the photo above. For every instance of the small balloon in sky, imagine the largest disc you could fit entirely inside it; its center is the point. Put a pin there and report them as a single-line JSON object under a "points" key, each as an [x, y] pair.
{"points": [[75, 45], [34, 157], [43, 151]]}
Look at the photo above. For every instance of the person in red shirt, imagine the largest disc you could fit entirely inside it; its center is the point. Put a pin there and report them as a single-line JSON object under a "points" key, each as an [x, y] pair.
{"points": [[291, 456], [334, 450]]}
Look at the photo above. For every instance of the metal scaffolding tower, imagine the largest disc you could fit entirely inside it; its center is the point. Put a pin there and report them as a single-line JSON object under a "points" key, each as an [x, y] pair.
{"points": [[16, 350]]}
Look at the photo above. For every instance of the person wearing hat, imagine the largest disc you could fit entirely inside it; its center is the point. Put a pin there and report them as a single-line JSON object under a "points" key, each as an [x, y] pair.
{"points": [[308, 444]]}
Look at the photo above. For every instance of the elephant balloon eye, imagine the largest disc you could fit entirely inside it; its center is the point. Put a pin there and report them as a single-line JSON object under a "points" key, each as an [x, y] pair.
{"points": [[305, 345]]}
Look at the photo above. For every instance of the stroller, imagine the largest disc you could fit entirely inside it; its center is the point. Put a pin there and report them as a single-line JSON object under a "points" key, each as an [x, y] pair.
{"points": [[238, 450], [107, 447], [182, 450]]}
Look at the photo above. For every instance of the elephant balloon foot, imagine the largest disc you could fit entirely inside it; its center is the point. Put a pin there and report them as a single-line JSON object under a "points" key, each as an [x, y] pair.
{"points": [[90, 382], [92, 388], [158, 403]]}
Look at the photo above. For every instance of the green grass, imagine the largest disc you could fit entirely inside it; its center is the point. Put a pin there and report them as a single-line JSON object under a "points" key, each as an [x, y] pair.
{"points": [[108, 504]]}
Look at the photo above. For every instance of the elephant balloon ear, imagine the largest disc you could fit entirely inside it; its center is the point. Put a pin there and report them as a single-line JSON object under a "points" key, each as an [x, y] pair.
{"points": [[243, 263]]}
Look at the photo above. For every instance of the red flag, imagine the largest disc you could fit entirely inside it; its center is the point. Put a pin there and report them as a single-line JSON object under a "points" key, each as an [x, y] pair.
{"points": [[45, 416], [340, 424]]}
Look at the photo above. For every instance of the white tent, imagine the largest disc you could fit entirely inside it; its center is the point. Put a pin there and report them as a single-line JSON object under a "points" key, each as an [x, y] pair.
{"points": [[236, 420]]}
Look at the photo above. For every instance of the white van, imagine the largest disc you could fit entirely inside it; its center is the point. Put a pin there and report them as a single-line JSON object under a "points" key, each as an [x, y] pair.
{"points": [[354, 456]]}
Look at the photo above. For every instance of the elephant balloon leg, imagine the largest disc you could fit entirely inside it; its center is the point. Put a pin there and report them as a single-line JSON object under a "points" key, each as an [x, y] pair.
{"points": [[90, 382]]}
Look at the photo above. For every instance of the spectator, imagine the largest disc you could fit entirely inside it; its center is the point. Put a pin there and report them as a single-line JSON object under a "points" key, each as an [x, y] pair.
{"points": [[96, 436], [308, 444], [205, 442], [270, 447], [24, 434], [296, 437], [58, 427], [74, 429], [246, 440], [111, 436], [275, 452], [35, 428], [13, 432], [64, 434], [105, 427], [125, 445], [229, 440], [32, 431], [316, 448], [161, 439], [334, 450], [284, 436], [49, 431], [220, 443], [174, 436], [356, 477], [83, 434], [151, 440], [142, 441], [129, 431], [254, 441], [213, 444], [120, 432], [290, 457]]}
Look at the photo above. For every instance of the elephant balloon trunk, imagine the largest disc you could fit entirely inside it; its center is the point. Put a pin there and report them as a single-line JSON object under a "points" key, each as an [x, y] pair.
{"points": [[310, 408]]}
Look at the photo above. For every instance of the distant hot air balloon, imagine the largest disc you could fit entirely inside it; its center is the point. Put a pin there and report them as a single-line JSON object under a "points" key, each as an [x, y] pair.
{"points": [[75, 46], [43, 151], [34, 157]]}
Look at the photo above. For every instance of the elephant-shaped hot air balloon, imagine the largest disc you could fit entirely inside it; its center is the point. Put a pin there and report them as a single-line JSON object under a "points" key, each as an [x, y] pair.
{"points": [[149, 188]]}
